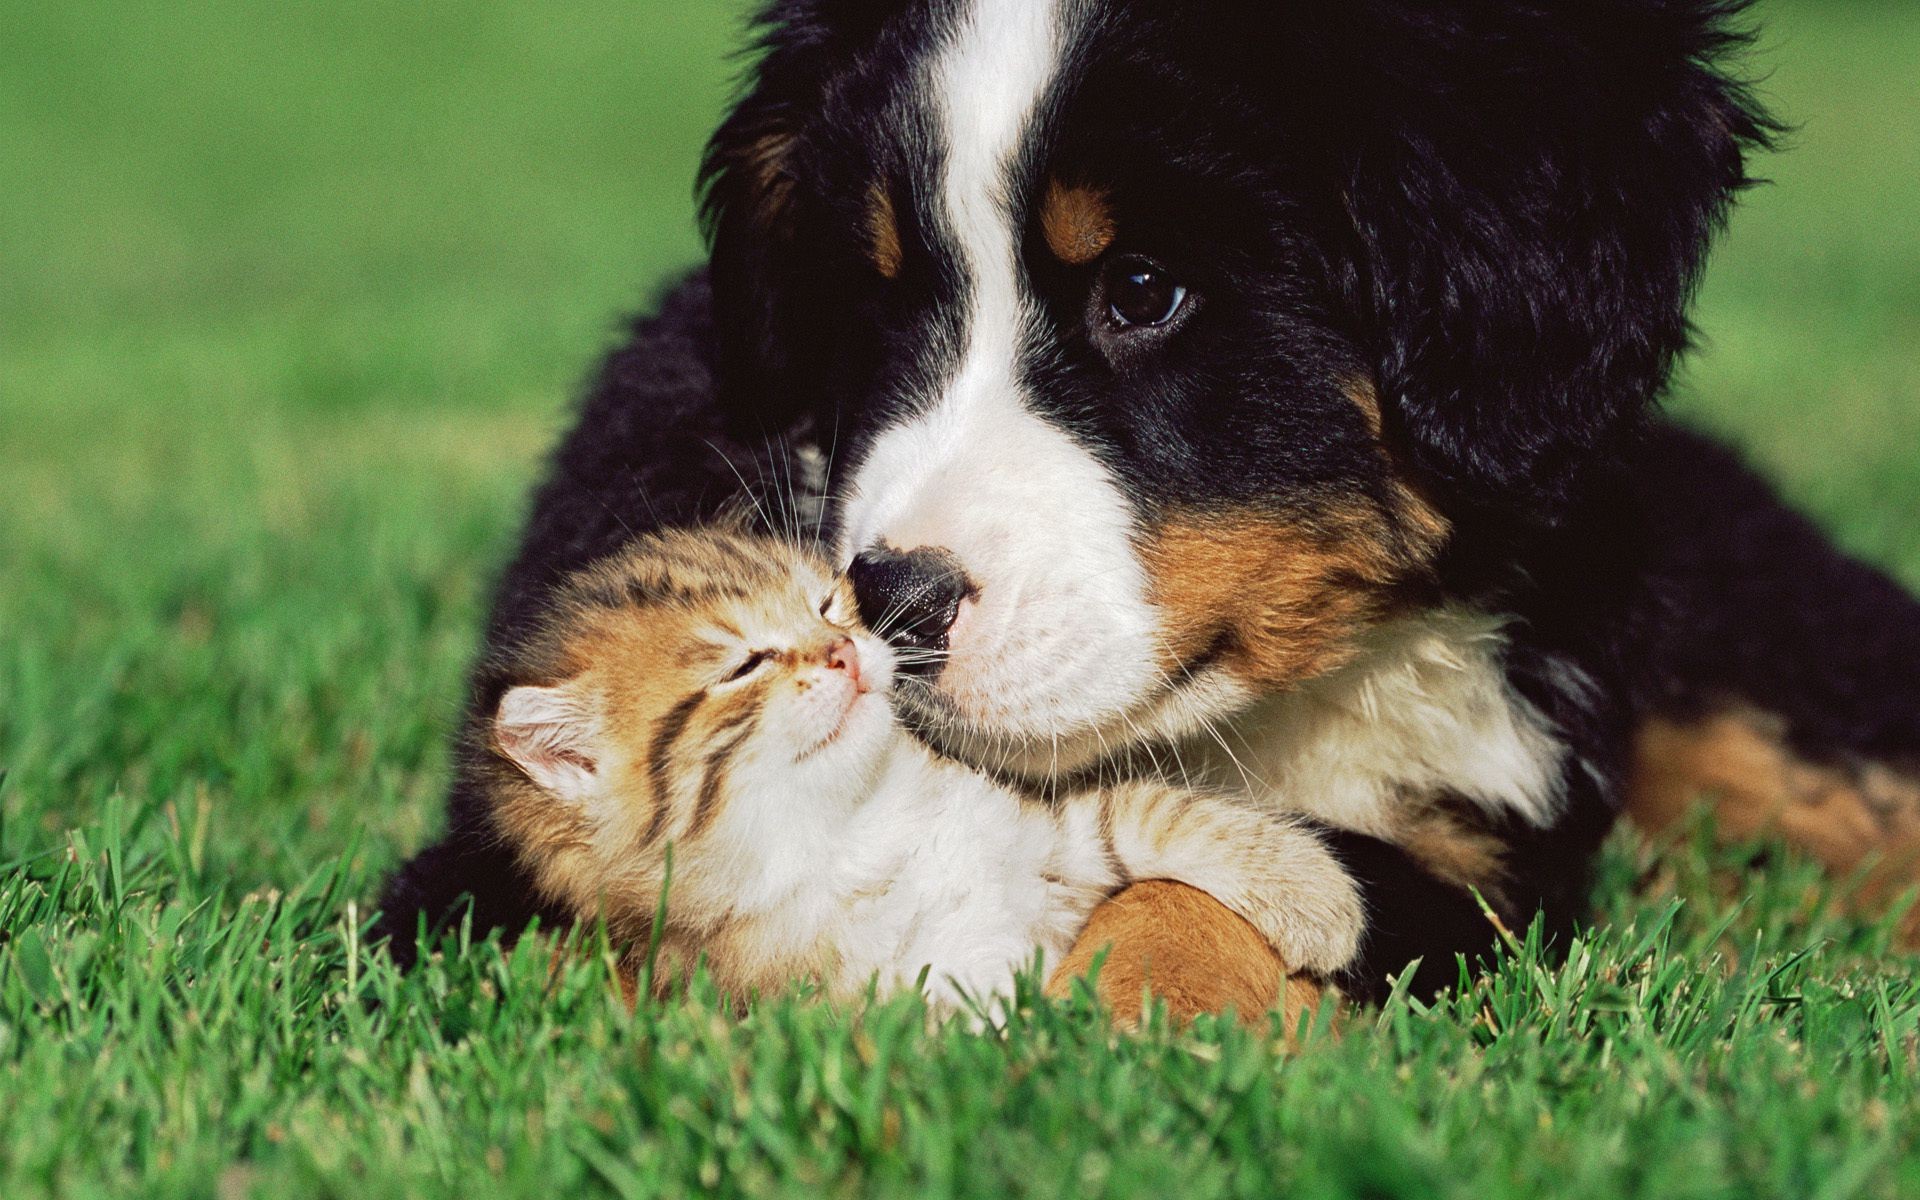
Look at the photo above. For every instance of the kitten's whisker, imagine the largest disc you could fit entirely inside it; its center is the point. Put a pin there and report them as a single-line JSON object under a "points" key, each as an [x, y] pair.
{"points": [[826, 481], [792, 512], [746, 489], [615, 513]]}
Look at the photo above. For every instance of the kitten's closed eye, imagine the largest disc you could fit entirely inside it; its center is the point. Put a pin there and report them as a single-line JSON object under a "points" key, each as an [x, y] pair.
{"points": [[752, 663]]}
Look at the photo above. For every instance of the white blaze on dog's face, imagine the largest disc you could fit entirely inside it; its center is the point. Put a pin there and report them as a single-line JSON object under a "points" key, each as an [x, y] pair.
{"points": [[1039, 453], [1056, 635]]}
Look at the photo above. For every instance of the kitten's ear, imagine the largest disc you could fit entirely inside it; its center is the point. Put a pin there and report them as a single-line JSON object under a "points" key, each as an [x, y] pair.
{"points": [[550, 734]]}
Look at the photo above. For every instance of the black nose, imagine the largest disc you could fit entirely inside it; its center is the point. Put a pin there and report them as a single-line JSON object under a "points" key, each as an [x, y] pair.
{"points": [[910, 598]]}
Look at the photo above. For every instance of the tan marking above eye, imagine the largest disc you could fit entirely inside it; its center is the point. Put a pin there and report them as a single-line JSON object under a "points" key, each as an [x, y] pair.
{"points": [[883, 232], [1077, 222]]}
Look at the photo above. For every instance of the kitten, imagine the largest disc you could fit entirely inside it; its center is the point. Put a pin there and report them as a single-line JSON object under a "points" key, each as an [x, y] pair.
{"points": [[712, 692]]}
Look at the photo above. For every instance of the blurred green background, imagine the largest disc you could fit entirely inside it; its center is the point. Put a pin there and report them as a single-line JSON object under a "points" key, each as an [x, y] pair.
{"points": [[292, 297]]}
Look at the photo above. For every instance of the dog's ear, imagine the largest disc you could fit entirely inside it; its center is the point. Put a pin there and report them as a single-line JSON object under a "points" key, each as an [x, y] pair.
{"points": [[749, 201], [1532, 189], [754, 206]]}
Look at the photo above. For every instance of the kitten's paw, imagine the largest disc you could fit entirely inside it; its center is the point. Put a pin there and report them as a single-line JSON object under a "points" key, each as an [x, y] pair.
{"points": [[1317, 921]]}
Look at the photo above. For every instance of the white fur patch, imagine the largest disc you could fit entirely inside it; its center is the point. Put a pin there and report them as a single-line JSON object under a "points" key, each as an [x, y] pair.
{"points": [[1061, 634], [1425, 710]]}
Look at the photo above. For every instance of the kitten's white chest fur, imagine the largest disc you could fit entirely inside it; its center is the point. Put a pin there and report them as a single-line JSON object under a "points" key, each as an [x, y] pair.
{"points": [[943, 871]]}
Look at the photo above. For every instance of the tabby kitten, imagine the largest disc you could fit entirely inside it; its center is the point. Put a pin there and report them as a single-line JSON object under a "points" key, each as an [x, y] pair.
{"points": [[712, 693]]}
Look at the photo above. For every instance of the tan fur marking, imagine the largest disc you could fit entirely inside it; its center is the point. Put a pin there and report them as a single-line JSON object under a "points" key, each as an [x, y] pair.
{"points": [[1366, 398], [765, 162], [883, 232], [1282, 602], [1077, 223], [1738, 761], [1426, 526], [1283, 599], [1182, 946], [1455, 850]]}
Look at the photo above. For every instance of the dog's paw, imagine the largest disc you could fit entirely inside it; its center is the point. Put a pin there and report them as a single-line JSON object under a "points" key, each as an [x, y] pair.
{"points": [[1169, 942]]}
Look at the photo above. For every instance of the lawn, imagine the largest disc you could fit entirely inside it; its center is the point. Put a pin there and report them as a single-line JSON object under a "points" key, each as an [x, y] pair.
{"points": [[292, 298]]}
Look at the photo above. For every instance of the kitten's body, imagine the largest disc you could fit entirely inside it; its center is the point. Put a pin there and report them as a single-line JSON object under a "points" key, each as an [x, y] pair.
{"points": [[811, 837]]}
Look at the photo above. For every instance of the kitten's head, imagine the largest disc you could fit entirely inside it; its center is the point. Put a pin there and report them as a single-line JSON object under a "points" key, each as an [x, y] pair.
{"points": [[691, 677]]}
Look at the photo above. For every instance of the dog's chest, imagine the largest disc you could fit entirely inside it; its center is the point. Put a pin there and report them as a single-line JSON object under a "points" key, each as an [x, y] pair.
{"points": [[1425, 711]]}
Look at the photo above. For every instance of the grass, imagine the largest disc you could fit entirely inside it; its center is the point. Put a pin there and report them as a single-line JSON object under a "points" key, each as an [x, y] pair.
{"points": [[290, 303]]}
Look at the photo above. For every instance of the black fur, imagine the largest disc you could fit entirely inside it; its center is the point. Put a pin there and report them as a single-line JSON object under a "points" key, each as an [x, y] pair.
{"points": [[1493, 212], [1746, 598], [1534, 188], [1410, 915]]}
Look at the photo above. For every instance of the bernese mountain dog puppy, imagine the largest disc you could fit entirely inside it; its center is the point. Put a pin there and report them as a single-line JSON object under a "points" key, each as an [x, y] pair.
{"points": [[1265, 392]]}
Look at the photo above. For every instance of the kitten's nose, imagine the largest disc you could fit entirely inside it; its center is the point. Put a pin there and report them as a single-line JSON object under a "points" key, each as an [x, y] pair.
{"points": [[911, 598], [843, 655]]}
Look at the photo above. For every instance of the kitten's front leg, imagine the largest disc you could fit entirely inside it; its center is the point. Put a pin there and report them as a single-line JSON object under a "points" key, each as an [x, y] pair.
{"points": [[1271, 871]]}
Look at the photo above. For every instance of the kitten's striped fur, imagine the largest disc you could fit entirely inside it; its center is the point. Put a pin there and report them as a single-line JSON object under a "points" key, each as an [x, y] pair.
{"points": [[711, 692]]}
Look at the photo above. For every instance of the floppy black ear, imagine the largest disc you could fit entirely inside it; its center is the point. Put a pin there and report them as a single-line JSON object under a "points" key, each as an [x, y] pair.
{"points": [[755, 208], [1534, 187]]}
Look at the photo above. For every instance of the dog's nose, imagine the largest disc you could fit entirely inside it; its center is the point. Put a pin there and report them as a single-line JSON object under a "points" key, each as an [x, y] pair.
{"points": [[911, 598]]}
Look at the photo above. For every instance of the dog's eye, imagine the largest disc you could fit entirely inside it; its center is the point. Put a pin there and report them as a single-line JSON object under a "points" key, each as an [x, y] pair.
{"points": [[1140, 293], [753, 663]]}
